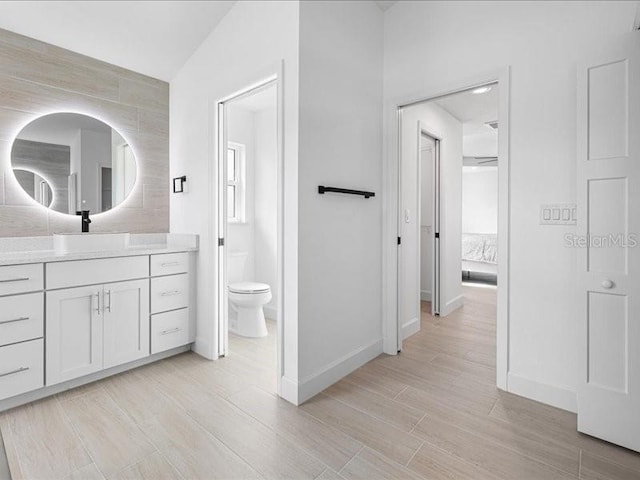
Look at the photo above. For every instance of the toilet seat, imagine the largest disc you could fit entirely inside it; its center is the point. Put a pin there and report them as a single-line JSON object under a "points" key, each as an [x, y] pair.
{"points": [[249, 287]]}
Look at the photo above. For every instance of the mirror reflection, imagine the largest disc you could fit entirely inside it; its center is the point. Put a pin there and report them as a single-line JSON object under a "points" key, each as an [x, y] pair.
{"points": [[70, 162]]}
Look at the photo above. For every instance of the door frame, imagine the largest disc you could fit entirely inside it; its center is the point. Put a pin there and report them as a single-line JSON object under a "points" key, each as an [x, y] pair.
{"points": [[391, 191], [219, 174]]}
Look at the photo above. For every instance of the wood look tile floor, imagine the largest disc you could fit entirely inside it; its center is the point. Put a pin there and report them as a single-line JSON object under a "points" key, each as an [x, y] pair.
{"points": [[432, 412]]}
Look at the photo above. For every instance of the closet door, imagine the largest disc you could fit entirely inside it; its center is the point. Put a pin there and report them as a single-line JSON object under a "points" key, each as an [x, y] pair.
{"points": [[609, 265], [126, 322], [73, 333]]}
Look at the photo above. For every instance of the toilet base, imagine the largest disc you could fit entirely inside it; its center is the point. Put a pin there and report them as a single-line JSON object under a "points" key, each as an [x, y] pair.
{"points": [[250, 322]]}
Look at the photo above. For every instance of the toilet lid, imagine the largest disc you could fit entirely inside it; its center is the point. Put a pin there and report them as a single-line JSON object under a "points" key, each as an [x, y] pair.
{"points": [[249, 287]]}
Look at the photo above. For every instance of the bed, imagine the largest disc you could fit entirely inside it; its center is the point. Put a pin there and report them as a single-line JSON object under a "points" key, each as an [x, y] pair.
{"points": [[479, 253]]}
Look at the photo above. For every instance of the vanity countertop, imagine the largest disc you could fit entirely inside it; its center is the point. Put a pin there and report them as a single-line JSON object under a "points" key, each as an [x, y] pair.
{"points": [[10, 256]]}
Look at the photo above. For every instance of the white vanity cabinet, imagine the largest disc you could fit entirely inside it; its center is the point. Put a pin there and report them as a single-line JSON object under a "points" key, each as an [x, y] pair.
{"points": [[100, 326], [21, 329], [96, 327], [126, 322], [170, 299], [74, 333], [64, 323]]}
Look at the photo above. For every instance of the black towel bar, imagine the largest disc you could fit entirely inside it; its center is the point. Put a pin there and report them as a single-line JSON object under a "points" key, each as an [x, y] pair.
{"points": [[322, 189]]}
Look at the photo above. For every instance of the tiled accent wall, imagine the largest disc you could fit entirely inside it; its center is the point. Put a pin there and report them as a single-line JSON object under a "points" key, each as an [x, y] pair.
{"points": [[36, 79]]}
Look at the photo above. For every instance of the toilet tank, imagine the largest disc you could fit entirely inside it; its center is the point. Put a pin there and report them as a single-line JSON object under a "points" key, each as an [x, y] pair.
{"points": [[236, 266]]}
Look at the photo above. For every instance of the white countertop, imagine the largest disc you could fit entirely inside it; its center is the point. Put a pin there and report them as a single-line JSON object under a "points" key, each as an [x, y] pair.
{"points": [[10, 255]]}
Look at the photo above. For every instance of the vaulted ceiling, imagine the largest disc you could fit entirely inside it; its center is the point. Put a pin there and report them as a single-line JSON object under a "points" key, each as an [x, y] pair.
{"points": [[155, 38]]}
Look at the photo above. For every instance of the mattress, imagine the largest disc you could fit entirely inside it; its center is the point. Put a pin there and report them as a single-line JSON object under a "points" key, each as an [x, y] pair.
{"points": [[480, 247]]}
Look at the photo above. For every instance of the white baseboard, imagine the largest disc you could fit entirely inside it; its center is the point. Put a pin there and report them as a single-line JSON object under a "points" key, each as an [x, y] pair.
{"points": [[289, 390], [452, 305], [425, 295], [410, 328], [204, 349], [559, 397], [330, 374]]}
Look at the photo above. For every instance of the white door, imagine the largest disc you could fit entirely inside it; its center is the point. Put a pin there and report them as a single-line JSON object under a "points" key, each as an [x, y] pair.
{"points": [[427, 224], [609, 266], [411, 220], [126, 322], [73, 333]]}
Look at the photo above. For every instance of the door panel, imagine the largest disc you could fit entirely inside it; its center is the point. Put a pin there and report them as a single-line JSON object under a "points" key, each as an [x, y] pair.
{"points": [[607, 224], [608, 168], [608, 97], [73, 333], [608, 341], [126, 322]]}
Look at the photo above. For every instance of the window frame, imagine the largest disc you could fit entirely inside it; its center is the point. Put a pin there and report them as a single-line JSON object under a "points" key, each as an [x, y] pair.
{"points": [[239, 182]]}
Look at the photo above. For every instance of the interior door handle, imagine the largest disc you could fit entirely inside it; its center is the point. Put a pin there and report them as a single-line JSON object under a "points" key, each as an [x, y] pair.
{"points": [[607, 284]]}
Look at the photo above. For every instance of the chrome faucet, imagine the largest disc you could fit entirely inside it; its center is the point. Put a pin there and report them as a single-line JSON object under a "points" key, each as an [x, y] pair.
{"points": [[85, 220]]}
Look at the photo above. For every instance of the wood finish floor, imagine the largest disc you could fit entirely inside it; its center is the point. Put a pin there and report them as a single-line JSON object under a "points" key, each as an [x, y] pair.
{"points": [[432, 412]]}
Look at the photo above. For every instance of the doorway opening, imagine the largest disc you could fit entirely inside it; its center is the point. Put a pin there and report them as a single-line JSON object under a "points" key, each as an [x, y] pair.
{"points": [[249, 221], [447, 257]]}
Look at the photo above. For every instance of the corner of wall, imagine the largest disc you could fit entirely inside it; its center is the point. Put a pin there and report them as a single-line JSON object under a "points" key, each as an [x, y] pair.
{"points": [[315, 383]]}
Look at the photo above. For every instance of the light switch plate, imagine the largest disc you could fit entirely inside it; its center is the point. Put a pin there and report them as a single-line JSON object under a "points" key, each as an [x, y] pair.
{"points": [[558, 214]]}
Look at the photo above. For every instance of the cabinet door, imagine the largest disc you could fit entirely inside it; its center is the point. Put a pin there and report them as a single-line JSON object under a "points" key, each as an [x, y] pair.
{"points": [[73, 333], [126, 322]]}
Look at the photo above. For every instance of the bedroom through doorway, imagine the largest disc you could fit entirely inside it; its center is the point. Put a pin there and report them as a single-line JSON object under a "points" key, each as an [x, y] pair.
{"points": [[448, 226]]}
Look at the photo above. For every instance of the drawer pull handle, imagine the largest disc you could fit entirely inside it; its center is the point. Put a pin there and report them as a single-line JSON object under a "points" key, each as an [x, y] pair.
{"points": [[171, 330], [21, 319], [12, 372], [11, 280], [108, 307], [170, 264], [170, 293]]}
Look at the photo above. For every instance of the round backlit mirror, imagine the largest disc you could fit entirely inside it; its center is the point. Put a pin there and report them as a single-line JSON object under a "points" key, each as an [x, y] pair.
{"points": [[70, 162]]}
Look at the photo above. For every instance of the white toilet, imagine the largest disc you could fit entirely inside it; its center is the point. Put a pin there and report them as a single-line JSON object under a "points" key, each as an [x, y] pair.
{"points": [[246, 299]]}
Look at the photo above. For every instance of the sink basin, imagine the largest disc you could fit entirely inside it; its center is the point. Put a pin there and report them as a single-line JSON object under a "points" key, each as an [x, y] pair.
{"points": [[89, 242]]}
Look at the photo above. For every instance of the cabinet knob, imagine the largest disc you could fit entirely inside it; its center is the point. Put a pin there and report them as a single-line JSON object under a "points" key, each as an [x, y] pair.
{"points": [[607, 284]]}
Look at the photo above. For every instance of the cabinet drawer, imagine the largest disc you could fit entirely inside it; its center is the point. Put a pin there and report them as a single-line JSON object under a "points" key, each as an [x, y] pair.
{"points": [[169, 264], [21, 368], [21, 278], [169, 293], [21, 318], [169, 330], [93, 272]]}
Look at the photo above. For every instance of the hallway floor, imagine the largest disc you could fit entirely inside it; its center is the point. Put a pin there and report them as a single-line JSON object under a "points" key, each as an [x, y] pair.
{"points": [[432, 412]]}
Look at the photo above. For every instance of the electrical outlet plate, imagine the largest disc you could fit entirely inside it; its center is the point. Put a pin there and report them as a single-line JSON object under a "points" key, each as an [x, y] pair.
{"points": [[558, 214]]}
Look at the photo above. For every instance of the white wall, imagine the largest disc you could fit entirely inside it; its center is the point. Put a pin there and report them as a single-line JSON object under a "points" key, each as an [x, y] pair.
{"points": [[448, 129], [249, 44], [432, 47], [480, 144], [340, 145], [266, 204], [480, 200]]}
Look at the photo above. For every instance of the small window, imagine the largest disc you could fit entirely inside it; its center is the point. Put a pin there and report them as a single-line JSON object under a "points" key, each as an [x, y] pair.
{"points": [[235, 182]]}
